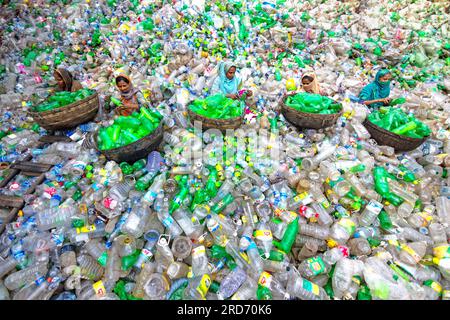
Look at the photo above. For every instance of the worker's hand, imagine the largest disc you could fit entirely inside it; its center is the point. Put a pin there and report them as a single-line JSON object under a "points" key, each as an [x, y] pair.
{"points": [[386, 101], [249, 93]]}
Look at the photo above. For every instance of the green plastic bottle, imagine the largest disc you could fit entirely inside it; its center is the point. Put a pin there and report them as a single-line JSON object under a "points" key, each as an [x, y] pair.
{"points": [[126, 168], [288, 238], [176, 202], [263, 293], [385, 220]]}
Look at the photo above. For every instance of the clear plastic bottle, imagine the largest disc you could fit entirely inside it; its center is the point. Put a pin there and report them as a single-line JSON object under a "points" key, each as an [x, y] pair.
{"points": [[309, 249], [181, 247], [57, 216], [359, 247], [177, 270], [4, 293], [263, 236], [199, 261], [182, 217], [315, 231], [342, 230], [97, 250], [231, 283], [344, 272], [89, 267], [172, 227], [413, 252], [304, 289], [23, 277], [142, 278], [137, 220], [438, 234], [247, 290], [197, 288], [156, 286], [370, 213]]}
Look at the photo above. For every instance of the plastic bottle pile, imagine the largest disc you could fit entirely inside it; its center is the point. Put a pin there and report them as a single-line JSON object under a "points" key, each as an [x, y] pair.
{"points": [[313, 103], [128, 129], [311, 214], [63, 98], [396, 121], [218, 107]]}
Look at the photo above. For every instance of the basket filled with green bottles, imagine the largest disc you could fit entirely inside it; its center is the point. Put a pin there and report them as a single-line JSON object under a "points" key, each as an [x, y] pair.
{"points": [[309, 110], [393, 127], [217, 111], [65, 109], [130, 138]]}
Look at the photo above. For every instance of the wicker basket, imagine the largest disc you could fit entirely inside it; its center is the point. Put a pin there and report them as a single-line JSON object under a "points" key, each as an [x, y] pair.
{"points": [[133, 151], [385, 137], [305, 119], [221, 124], [68, 116]]}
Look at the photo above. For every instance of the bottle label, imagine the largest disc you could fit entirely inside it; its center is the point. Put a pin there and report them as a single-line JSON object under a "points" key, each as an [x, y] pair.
{"points": [[214, 227], [345, 251], [311, 287], [265, 279], [86, 229], [79, 165], [316, 265], [348, 225], [433, 285], [110, 203], [442, 251], [147, 254], [427, 218], [99, 289], [198, 251], [307, 212], [39, 280], [305, 198], [18, 255], [167, 221], [102, 259], [263, 235], [49, 192], [203, 286], [374, 206], [411, 252]]}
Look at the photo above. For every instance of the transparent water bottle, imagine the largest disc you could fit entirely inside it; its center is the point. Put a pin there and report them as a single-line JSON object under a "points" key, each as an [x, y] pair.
{"points": [[231, 283]]}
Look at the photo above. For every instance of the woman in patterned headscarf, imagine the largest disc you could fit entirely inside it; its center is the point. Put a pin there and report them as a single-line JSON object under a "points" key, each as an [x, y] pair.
{"points": [[65, 81], [227, 82], [131, 99]]}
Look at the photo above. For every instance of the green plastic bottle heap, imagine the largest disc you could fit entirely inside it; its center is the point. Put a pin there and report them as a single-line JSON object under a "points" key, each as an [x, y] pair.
{"points": [[63, 98], [397, 121], [218, 107], [313, 103], [126, 130]]}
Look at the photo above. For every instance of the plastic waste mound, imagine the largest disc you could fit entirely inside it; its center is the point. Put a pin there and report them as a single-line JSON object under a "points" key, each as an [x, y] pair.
{"points": [[313, 103], [218, 107], [288, 214]]}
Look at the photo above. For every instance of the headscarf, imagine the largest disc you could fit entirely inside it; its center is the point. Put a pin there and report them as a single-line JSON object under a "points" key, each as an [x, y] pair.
{"points": [[226, 85], [376, 89], [69, 83], [128, 95], [313, 86]]}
